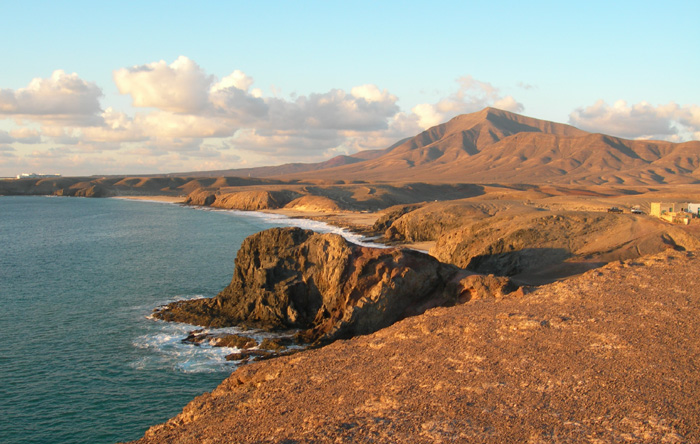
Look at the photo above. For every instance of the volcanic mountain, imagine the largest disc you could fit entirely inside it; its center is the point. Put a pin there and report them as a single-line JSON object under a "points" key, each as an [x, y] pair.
{"points": [[496, 146]]}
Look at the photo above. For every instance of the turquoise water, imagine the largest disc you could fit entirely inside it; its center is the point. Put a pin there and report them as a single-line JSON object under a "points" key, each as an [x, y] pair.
{"points": [[80, 361]]}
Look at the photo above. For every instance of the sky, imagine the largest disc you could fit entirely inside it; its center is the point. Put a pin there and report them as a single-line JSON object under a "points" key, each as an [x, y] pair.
{"points": [[102, 88]]}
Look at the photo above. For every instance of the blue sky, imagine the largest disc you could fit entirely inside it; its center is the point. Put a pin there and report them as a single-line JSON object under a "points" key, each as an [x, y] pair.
{"points": [[129, 88]]}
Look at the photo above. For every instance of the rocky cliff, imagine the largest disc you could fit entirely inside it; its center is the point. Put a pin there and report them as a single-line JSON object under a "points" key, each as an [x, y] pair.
{"points": [[289, 278], [539, 247], [609, 357]]}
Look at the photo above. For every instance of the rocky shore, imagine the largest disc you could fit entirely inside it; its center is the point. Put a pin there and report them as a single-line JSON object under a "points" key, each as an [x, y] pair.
{"points": [[609, 356], [329, 288]]}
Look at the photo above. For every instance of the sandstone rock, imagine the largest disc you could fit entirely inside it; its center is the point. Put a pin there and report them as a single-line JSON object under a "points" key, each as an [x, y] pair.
{"points": [[202, 197], [390, 215], [254, 200], [288, 278], [541, 247]]}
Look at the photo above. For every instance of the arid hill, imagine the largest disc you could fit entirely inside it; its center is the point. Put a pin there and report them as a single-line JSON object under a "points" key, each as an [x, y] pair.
{"points": [[496, 146]]}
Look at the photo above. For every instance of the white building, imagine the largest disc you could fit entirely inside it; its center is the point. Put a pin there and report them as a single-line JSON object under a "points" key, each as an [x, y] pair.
{"points": [[35, 175]]}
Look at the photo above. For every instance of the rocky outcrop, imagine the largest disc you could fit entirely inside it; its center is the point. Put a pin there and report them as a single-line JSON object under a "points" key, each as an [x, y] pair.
{"points": [[249, 200], [86, 189], [608, 357], [254, 200], [542, 247], [289, 278], [314, 204]]}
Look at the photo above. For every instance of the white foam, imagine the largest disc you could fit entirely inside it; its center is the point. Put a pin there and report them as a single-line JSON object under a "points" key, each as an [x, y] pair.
{"points": [[163, 347], [309, 224]]}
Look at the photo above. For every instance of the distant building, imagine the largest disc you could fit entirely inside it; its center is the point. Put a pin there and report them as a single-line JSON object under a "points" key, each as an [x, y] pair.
{"points": [[35, 175], [694, 208], [660, 208], [676, 213]]}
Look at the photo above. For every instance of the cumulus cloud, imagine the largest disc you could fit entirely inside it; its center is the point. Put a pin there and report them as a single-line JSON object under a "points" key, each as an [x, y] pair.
{"points": [[237, 79], [640, 121], [472, 95], [62, 98], [369, 110], [187, 117], [181, 86]]}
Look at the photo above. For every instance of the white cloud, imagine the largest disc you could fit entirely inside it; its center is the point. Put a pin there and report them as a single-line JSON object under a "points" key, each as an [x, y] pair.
{"points": [[181, 86], [640, 121], [195, 117], [472, 95], [20, 135], [237, 79], [60, 99], [164, 125]]}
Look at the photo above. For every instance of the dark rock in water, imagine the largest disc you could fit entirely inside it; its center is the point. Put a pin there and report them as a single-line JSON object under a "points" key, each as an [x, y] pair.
{"points": [[195, 337], [288, 278], [245, 355], [198, 337]]}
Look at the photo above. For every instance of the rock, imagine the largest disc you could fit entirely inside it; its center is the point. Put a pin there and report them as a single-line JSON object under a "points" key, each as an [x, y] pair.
{"points": [[314, 203], [254, 200], [248, 354], [289, 278], [276, 344], [198, 337], [478, 286], [544, 246], [390, 215], [202, 197]]}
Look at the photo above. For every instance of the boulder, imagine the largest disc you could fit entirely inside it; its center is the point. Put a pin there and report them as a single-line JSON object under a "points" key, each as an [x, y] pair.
{"points": [[198, 337]]}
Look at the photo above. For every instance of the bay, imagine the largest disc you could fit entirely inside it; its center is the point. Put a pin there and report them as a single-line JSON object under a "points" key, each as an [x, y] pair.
{"points": [[80, 361]]}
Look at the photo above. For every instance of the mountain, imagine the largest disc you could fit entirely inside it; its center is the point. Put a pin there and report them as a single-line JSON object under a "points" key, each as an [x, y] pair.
{"points": [[496, 146]]}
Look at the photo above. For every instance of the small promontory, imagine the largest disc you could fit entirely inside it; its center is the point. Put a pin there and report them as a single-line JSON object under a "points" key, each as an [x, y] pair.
{"points": [[327, 287]]}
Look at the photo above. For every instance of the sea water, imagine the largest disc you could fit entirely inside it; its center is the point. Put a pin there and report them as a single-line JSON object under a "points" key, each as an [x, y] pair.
{"points": [[81, 361]]}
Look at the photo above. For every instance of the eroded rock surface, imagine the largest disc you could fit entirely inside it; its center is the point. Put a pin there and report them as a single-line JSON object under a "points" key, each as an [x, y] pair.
{"points": [[609, 356], [539, 247], [289, 278]]}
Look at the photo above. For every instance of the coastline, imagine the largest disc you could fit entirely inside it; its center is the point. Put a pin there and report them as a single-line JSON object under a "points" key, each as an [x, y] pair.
{"points": [[154, 198], [356, 222], [466, 372]]}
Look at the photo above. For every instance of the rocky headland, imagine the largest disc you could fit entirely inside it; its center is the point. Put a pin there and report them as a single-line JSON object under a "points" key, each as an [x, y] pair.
{"points": [[609, 356], [329, 288]]}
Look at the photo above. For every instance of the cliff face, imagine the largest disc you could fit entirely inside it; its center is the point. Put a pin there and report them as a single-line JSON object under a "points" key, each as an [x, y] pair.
{"points": [[289, 278], [540, 247]]}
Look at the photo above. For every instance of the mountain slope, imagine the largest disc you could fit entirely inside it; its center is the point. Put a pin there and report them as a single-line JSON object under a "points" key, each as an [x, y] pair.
{"points": [[498, 146]]}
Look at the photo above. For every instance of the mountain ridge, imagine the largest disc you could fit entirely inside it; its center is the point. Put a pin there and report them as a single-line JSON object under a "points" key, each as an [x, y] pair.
{"points": [[497, 146]]}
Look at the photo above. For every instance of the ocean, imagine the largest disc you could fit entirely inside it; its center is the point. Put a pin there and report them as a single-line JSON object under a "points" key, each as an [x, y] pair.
{"points": [[80, 359]]}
